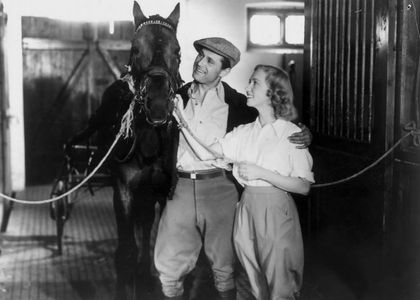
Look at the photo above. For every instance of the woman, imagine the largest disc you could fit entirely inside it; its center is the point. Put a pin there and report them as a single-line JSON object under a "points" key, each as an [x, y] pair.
{"points": [[267, 233]]}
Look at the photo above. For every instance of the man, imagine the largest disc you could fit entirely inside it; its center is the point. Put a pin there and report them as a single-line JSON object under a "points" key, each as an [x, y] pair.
{"points": [[201, 212]]}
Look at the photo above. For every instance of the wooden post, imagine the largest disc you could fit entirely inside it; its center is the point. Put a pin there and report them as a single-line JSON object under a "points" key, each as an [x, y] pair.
{"points": [[5, 171], [5, 184], [91, 37]]}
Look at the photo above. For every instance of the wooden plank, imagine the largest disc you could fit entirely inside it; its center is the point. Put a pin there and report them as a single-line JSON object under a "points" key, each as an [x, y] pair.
{"points": [[52, 44], [115, 70], [55, 44], [39, 27], [62, 95], [115, 45]]}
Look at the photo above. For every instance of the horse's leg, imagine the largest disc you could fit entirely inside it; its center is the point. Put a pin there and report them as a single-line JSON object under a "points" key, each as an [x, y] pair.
{"points": [[145, 215], [126, 253]]}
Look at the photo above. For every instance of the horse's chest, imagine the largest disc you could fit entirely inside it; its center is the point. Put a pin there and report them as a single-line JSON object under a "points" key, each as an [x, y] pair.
{"points": [[147, 169]]}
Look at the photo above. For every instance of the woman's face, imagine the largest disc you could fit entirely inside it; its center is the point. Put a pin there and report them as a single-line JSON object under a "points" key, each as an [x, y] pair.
{"points": [[257, 89]]}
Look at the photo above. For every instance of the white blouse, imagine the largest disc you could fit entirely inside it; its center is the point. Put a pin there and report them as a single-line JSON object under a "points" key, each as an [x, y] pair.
{"points": [[267, 147]]}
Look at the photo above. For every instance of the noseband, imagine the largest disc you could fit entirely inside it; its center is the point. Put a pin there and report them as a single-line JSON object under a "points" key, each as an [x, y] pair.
{"points": [[140, 97]]}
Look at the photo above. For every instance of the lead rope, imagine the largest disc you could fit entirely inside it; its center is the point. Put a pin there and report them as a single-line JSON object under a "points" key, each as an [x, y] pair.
{"points": [[71, 190], [124, 132]]}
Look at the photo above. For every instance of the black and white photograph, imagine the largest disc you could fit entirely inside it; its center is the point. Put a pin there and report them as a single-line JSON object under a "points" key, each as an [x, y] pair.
{"points": [[209, 150]]}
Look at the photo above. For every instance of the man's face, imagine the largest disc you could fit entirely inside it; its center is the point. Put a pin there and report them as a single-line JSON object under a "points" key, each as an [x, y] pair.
{"points": [[207, 67]]}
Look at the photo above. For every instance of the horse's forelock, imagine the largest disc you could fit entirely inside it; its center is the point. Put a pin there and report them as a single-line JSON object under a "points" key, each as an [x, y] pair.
{"points": [[157, 46]]}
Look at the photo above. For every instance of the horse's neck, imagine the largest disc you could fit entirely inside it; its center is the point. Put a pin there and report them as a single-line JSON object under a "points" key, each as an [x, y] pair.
{"points": [[152, 142]]}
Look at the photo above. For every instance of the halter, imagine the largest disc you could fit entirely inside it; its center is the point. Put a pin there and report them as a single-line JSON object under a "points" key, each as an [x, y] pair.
{"points": [[139, 93], [126, 129]]}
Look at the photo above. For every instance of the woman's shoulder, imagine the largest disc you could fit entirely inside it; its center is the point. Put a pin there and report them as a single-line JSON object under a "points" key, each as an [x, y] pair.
{"points": [[245, 127], [286, 127]]}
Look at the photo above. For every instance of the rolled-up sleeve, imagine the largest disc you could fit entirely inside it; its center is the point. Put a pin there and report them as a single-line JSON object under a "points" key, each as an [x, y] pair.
{"points": [[301, 163]]}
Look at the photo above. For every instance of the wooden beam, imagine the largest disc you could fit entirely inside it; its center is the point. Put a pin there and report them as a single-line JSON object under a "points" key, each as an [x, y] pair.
{"points": [[115, 45], [52, 44], [112, 66], [30, 43]]}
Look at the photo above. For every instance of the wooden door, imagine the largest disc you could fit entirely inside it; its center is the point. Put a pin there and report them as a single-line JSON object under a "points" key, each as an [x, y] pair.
{"points": [[360, 73], [66, 67]]}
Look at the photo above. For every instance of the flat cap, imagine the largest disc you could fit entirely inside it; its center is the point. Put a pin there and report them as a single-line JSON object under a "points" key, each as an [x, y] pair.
{"points": [[220, 46]]}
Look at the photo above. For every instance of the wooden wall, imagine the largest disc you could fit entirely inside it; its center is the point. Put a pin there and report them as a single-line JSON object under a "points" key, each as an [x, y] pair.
{"points": [[66, 67], [360, 68]]}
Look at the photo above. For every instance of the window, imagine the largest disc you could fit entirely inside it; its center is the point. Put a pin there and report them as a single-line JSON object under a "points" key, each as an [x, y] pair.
{"points": [[276, 28], [294, 26]]}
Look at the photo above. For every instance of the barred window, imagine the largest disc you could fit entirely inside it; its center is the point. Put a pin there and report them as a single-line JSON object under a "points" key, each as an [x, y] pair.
{"points": [[276, 28]]}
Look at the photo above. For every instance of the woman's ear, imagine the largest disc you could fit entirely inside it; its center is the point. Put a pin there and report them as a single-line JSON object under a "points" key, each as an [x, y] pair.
{"points": [[269, 93]]}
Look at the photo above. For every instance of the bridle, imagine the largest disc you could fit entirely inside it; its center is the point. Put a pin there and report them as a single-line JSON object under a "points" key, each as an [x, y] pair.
{"points": [[157, 67], [140, 88]]}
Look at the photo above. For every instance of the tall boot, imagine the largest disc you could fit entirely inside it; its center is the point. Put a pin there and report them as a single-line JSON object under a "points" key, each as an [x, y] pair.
{"points": [[228, 295]]}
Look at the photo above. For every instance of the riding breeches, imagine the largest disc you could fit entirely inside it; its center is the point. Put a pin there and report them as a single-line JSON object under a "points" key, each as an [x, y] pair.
{"points": [[268, 242], [201, 214]]}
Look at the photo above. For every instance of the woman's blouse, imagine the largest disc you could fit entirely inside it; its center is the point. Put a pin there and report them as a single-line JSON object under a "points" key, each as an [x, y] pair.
{"points": [[267, 147]]}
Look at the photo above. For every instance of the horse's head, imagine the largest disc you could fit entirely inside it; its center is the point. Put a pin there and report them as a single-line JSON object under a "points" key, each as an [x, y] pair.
{"points": [[154, 63]]}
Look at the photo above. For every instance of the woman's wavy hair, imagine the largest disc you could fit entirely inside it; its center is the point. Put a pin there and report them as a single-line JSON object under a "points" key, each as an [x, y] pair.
{"points": [[280, 91]]}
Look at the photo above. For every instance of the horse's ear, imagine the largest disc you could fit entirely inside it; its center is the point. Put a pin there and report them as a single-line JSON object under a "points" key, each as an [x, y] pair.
{"points": [[174, 16], [139, 17]]}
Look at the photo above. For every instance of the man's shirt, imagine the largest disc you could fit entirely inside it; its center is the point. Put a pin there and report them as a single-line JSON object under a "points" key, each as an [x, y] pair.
{"points": [[207, 119]]}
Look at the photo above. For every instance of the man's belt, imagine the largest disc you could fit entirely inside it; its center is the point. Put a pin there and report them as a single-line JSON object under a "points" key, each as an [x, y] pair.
{"points": [[203, 174]]}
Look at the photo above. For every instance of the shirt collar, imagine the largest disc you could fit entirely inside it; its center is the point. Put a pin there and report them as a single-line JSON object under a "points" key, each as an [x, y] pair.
{"points": [[276, 126], [193, 90]]}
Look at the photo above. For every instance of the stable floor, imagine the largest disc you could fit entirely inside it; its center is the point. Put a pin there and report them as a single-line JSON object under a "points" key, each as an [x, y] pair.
{"points": [[31, 268]]}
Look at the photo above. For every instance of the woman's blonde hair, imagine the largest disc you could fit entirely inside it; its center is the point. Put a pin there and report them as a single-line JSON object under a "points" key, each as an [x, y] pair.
{"points": [[280, 91]]}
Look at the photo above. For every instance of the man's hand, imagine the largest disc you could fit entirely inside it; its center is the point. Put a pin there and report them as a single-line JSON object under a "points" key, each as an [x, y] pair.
{"points": [[303, 138]]}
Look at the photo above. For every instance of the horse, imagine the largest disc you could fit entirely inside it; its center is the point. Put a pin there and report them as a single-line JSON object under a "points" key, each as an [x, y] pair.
{"points": [[143, 163]]}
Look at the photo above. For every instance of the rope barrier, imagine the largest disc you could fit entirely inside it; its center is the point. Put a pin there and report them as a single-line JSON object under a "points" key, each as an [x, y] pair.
{"points": [[71, 190], [182, 123], [411, 127], [365, 169]]}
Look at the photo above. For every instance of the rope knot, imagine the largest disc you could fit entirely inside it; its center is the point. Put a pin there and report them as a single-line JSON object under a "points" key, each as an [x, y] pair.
{"points": [[411, 127]]}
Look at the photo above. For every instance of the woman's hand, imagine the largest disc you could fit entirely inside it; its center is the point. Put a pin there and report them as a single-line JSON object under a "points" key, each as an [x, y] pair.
{"points": [[178, 103], [177, 113], [249, 171]]}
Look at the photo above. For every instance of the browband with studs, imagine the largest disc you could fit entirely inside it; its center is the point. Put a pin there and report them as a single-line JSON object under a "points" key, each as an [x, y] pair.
{"points": [[155, 22]]}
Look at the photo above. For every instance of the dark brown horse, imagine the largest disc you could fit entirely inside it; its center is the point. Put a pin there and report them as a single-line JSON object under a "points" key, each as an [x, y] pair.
{"points": [[143, 163]]}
